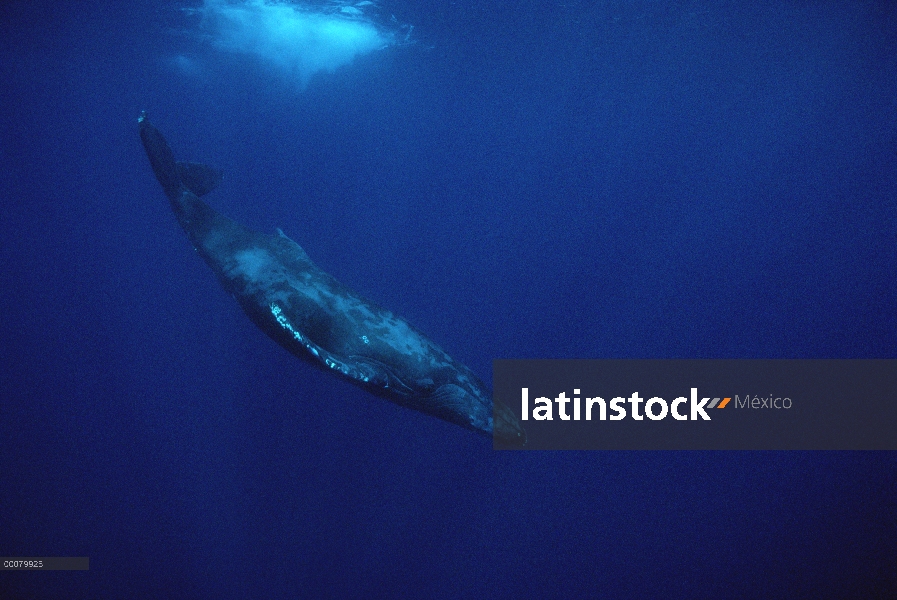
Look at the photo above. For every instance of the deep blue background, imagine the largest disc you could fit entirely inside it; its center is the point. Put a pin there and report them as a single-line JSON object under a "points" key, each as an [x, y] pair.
{"points": [[535, 179]]}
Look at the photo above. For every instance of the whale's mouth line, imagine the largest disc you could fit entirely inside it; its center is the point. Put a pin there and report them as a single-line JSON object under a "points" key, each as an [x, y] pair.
{"points": [[394, 382]]}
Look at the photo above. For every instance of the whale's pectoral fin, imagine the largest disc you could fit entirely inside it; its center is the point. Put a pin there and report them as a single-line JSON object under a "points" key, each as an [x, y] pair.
{"points": [[199, 178]]}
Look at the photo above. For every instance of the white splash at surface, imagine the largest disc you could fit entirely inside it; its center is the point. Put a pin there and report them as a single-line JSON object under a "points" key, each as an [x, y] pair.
{"points": [[300, 40]]}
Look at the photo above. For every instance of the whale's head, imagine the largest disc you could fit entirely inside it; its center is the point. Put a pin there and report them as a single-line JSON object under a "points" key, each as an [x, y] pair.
{"points": [[507, 429], [470, 405]]}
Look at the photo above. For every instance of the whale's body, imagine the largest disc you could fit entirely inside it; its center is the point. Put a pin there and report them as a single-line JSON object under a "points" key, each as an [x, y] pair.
{"points": [[315, 317]]}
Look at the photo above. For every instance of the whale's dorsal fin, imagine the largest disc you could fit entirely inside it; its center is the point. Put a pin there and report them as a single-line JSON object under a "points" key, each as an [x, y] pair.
{"points": [[199, 178], [293, 248]]}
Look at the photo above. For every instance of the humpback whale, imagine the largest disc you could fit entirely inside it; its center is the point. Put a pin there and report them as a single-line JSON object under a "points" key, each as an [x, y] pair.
{"points": [[318, 319]]}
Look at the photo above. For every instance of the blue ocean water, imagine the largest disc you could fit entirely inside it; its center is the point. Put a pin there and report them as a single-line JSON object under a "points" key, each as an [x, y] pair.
{"points": [[562, 179]]}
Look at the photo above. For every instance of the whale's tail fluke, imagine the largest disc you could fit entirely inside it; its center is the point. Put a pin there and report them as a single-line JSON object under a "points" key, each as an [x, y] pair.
{"points": [[174, 176], [199, 178], [161, 157]]}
